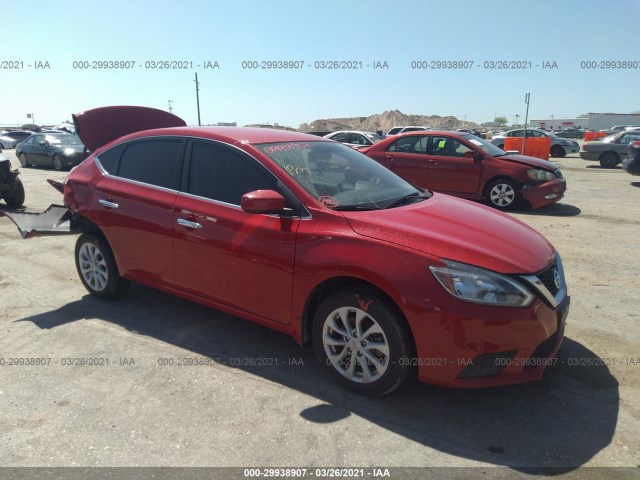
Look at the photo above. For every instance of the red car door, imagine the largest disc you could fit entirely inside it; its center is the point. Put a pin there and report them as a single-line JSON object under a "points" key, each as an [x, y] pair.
{"points": [[133, 206], [449, 169], [407, 157], [222, 253]]}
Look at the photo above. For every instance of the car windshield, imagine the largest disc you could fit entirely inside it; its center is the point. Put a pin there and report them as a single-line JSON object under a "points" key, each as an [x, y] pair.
{"points": [[63, 139], [487, 147], [340, 177]]}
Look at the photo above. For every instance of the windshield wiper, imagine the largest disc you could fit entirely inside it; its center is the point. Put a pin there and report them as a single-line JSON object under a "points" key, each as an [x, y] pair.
{"points": [[351, 208], [408, 199]]}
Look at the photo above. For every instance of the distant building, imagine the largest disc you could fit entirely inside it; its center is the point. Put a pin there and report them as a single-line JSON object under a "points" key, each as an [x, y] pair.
{"points": [[595, 121]]}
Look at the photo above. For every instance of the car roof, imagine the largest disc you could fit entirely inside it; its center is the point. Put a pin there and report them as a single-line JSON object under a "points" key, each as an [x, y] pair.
{"points": [[451, 133], [245, 135], [364, 132]]}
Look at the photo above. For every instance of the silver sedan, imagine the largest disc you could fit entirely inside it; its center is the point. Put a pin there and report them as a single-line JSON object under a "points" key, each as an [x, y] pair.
{"points": [[560, 147]]}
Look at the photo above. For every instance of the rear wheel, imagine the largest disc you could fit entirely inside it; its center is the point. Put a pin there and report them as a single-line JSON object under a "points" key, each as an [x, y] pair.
{"points": [[363, 341], [502, 193], [15, 198], [609, 160], [97, 267]]}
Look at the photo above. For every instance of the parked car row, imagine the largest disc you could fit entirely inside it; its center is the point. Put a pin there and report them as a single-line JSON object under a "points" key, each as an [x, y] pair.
{"points": [[317, 240]]}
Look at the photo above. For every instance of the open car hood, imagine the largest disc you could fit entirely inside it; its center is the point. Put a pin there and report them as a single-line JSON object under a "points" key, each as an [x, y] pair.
{"points": [[100, 126]]}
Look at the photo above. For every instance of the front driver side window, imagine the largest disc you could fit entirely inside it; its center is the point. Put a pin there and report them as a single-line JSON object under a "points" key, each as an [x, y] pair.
{"points": [[222, 174]]}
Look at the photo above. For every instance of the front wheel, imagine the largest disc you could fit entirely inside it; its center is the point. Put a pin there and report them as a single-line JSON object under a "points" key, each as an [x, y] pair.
{"points": [[97, 267], [363, 341], [502, 193], [558, 151], [23, 160], [15, 198], [57, 163]]}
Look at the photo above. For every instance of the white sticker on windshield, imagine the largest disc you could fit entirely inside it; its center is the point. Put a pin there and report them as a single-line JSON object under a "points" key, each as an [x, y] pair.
{"points": [[475, 142]]}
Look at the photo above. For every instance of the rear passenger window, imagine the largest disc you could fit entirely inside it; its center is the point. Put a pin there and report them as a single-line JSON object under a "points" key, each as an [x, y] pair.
{"points": [[109, 159], [151, 161]]}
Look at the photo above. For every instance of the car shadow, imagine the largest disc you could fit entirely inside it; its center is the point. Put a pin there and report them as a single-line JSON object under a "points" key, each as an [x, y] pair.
{"points": [[600, 167], [547, 427], [635, 184], [555, 209]]}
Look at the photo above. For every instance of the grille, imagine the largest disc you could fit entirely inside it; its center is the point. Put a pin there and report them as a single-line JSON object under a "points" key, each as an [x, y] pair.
{"points": [[546, 277], [487, 364], [541, 352]]}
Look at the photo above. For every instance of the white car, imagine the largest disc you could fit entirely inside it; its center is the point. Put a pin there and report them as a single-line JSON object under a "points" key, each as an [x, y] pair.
{"points": [[355, 138], [7, 142], [399, 130]]}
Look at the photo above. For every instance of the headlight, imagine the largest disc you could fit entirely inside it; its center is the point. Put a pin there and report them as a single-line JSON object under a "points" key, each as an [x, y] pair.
{"points": [[69, 151], [540, 175], [476, 285]]}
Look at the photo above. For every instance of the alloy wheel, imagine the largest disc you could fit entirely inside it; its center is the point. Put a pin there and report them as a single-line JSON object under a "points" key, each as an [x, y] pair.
{"points": [[355, 345], [93, 267]]}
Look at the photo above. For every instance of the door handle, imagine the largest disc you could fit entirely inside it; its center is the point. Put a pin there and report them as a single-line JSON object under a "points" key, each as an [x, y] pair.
{"points": [[106, 203], [188, 224]]}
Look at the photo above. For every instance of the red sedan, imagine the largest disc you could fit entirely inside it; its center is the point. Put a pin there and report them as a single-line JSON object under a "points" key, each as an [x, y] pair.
{"points": [[309, 237], [469, 167]]}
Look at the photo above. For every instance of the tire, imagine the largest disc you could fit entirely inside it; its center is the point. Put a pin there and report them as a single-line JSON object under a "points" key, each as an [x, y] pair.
{"points": [[15, 199], [97, 268], [558, 151], [503, 193], [340, 328], [23, 161], [609, 160], [57, 163]]}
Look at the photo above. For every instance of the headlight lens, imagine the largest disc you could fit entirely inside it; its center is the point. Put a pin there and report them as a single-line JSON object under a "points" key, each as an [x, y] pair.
{"points": [[69, 151], [540, 175], [477, 285]]}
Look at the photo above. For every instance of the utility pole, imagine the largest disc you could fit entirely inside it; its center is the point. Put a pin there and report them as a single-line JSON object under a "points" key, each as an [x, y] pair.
{"points": [[170, 106], [198, 98], [526, 119]]}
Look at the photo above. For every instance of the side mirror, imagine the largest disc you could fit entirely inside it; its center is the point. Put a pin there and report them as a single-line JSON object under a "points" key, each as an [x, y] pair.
{"points": [[474, 155], [262, 201]]}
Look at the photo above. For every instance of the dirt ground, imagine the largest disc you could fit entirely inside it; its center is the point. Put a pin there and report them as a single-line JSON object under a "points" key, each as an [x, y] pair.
{"points": [[142, 406]]}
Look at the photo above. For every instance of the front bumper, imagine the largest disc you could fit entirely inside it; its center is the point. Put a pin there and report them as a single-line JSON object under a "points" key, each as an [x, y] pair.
{"points": [[571, 148], [72, 160], [631, 165], [592, 156], [496, 346], [546, 193]]}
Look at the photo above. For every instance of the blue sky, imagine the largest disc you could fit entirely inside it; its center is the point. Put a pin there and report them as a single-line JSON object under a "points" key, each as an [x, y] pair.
{"points": [[396, 32]]}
